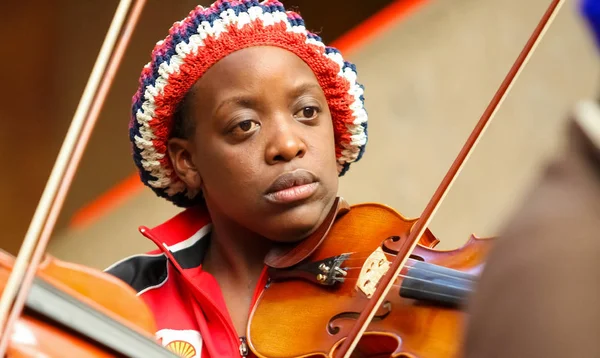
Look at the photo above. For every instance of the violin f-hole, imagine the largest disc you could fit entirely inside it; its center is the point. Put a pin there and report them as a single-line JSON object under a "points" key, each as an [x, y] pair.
{"points": [[333, 328]]}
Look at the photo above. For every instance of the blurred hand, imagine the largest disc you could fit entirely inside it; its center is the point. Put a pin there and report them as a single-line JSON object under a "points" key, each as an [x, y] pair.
{"points": [[591, 12]]}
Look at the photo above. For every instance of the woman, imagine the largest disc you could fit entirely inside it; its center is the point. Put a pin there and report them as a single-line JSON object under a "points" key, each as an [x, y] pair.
{"points": [[246, 120]]}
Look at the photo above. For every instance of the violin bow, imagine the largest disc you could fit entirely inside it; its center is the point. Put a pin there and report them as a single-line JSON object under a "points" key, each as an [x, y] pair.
{"points": [[410, 243], [58, 184]]}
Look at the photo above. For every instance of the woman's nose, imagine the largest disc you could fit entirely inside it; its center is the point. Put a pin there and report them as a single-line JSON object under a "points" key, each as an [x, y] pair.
{"points": [[285, 143]]}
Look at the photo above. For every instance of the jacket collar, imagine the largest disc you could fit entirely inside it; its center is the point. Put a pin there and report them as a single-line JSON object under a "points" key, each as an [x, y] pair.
{"points": [[184, 241], [185, 236]]}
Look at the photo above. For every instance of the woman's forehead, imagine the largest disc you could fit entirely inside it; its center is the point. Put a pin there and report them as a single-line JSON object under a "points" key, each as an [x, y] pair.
{"points": [[252, 69], [260, 61]]}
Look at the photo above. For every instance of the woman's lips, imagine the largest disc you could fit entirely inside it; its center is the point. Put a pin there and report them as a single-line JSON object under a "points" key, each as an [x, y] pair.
{"points": [[292, 186], [295, 193]]}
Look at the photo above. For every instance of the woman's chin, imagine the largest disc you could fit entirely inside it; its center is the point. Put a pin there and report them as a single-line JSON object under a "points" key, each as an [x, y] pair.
{"points": [[292, 234], [299, 223]]}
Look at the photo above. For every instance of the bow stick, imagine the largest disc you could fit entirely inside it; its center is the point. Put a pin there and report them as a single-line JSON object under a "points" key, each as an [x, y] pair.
{"points": [[65, 166], [410, 243]]}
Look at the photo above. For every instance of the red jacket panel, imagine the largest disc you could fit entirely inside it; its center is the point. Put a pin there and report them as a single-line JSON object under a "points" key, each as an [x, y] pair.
{"points": [[187, 303]]}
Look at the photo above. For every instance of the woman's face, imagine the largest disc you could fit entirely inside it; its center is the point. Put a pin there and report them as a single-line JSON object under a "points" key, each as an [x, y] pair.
{"points": [[263, 151]]}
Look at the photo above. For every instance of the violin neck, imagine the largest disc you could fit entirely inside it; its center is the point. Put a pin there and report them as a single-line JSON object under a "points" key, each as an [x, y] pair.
{"points": [[437, 285]]}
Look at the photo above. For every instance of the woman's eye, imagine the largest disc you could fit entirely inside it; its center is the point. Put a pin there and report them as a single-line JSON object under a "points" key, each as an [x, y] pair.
{"points": [[246, 126], [308, 112]]}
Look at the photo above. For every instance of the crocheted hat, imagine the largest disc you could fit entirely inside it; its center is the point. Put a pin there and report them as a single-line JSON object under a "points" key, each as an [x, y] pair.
{"points": [[204, 37]]}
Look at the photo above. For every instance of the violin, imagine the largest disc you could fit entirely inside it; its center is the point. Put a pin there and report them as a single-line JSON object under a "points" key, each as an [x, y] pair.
{"points": [[368, 282], [321, 297], [75, 310]]}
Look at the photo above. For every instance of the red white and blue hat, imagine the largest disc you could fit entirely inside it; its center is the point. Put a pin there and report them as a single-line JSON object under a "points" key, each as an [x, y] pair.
{"points": [[204, 37]]}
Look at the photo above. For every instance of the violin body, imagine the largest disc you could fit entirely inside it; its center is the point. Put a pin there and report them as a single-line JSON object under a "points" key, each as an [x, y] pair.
{"points": [[35, 335], [301, 318]]}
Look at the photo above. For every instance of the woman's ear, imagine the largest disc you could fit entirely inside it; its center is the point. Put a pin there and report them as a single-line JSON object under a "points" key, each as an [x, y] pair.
{"points": [[180, 153]]}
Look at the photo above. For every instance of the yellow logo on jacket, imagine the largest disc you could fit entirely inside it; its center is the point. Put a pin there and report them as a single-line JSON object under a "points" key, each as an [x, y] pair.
{"points": [[182, 349], [184, 343]]}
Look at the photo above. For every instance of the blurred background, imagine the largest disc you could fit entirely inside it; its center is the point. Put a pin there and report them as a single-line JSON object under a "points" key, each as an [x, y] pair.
{"points": [[429, 67]]}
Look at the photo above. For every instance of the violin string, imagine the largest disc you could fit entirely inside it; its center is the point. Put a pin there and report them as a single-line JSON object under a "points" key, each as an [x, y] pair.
{"points": [[363, 255], [430, 292], [352, 279], [353, 258], [412, 278], [435, 293], [437, 273]]}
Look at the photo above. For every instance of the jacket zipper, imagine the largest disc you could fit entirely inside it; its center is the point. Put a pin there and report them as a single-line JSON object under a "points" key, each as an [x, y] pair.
{"points": [[243, 347], [147, 233]]}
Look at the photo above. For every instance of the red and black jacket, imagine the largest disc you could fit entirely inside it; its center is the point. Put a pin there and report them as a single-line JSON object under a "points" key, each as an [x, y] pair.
{"points": [[187, 303]]}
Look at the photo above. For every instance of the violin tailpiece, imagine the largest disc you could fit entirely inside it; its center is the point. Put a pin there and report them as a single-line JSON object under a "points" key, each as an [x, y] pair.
{"points": [[325, 272]]}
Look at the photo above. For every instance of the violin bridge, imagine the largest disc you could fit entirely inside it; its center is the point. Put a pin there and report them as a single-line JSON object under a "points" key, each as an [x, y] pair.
{"points": [[375, 266]]}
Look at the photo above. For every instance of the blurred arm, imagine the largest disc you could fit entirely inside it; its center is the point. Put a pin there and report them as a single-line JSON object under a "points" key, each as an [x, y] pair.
{"points": [[539, 295]]}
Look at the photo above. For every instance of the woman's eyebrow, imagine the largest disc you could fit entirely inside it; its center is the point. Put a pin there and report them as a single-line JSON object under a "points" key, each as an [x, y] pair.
{"points": [[304, 87], [250, 102], [240, 100]]}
